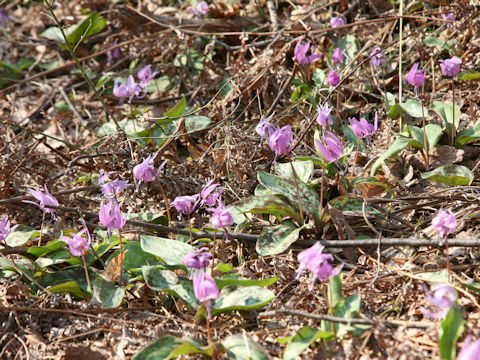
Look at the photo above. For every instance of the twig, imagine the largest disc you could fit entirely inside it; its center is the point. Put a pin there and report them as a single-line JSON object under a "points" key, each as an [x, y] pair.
{"points": [[273, 15]]}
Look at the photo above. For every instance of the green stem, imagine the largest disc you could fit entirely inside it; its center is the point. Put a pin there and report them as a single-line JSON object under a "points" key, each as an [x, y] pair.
{"points": [[296, 185], [321, 190], [86, 273], [213, 250], [190, 229], [121, 257], [356, 158], [425, 142], [453, 114]]}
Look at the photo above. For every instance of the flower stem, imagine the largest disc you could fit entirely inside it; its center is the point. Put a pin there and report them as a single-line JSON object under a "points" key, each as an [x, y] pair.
{"points": [[213, 250], [425, 142], [337, 112], [86, 273], [356, 158], [190, 229], [448, 259], [209, 335], [453, 115], [41, 231], [321, 190], [296, 185], [385, 89], [121, 257]]}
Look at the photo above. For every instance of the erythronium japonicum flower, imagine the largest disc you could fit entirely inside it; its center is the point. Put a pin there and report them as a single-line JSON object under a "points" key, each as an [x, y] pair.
{"points": [[443, 299], [444, 223], [205, 290], [314, 260], [323, 117], [451, 20], [363, 129], [265, 128], [145, 171], [186, 205], [337, 57], [416, 77], [221, 219], [128, 90], [301, 51], [111, 188], [145, 74], [200, 10], [208, 194], [470, 350], [45, 199], [5, 228], [197, 259], [333, 79], [113, 54], [377, 57], [336, 22], [451, 67]]}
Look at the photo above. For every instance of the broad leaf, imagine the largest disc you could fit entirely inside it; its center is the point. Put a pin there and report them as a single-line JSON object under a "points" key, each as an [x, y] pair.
{"points": [[107, 293], [452, 175], [303, 170], [353, 206], [20, 236], [242, 348], [302, 340], [171, 252], [399, 144], [467, 136], [136, 258], [268, 204], [445, 111], [234, 279], [131, 127], [241, 298], [69, 287], [451, 328], [469, 76], [276, 239], [196, 123], [177, 110], [75, 274], [169, 347], [411, 107]]}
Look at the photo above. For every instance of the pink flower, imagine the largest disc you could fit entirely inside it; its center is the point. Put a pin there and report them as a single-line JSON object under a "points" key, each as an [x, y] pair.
{"points": [[197, 259], [205, 289], [337, 56], [377, 57], [45, 199], [145, 171], [128, 90], [443, 299], [301, 51], [264, 128], [280, 140], [77, 244], [221, 217], [336, 22], [362, 128], [208, 194], [451, 18], [444, 223], [113, 54], [113, 187], [334, 149], [5, 229], [200, 10], [450, 67], [469, 350], [110, 216], [416, 77], [333, 79], [323, 117], [145, 74], [185, 204]]}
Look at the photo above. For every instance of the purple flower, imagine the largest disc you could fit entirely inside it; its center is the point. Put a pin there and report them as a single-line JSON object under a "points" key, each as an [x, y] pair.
{"points": [[77, 244], [205, 289], [337, 56], [208, 194], [444, 223], [185, 204], [145, 74], [377, 57], [451, 18], [469, 350], [5, 229], [113, 187], [3, 17], [128, 90], [264, 128], [45, 199], [300, 53], [362, 128], [443, 299], [318, 263], [197, 259], [113, 54], [323, 117], [110, 216], [280, 140], [200, 10], [336, 22], [221, 217], [450, 67], [145, 171], [416, 77], [334, 149], [333, 79]]}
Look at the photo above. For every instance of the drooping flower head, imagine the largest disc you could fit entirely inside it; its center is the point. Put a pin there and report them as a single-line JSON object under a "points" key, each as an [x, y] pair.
{"points": [[362, 128], [145, 171], [200, 10], [416, 77], [205, 289], [451, 20], [197, 259], [333, 79], [469, 350], [221, 217], [337, 57], [336, 22], [77, 244], [444, 223], [113, 54], [5, 228], [318, 263], [301, 51], [128, 90], [280, 140], [443, 299], [45, 199], [146, 74], [111, 188], [333, 151], [265, 128], [323, 117], [208, 194], [185, 204], [377, 57], [110, 216], [450, 67]]}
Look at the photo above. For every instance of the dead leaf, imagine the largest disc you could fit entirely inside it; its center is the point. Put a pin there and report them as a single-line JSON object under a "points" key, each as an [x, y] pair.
{"points": [[82, 353], [112, 271]]}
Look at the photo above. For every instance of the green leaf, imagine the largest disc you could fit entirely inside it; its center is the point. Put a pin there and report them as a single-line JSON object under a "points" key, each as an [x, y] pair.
{"points": [[349, 45], [169, 282], [268, 204], [433, 41], [451, 328], [351, 206], [160, 84], [434, 276], [349, 309], [335, 290], [169, 347], [234, 279], [308, 197], [319, 77], [19, 236], [445, 111], [302, 340], [131, 127], [136, 258], [452, 175], [242, 298], [276, 239], [69, 287], [475, 75], [467, 136], [303, 169], [399, 144], [434, 133], [107, 293], [171, 252], [242, 348], [177, 110], [411, 107], [25, 265], [75, 274], [196, 123], [474, 285]]}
